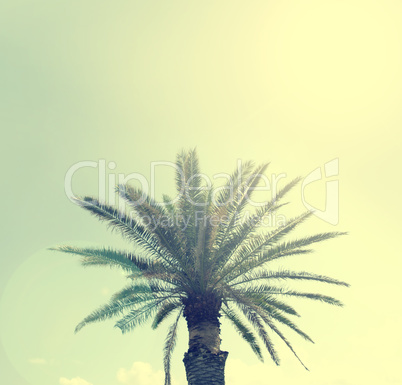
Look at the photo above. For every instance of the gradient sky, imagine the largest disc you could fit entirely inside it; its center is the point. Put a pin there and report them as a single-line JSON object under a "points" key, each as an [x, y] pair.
{"points": [[297, 83]]}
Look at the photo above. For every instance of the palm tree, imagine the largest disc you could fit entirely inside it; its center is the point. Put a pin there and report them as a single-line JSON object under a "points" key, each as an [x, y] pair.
{"points": [[200, 257]]}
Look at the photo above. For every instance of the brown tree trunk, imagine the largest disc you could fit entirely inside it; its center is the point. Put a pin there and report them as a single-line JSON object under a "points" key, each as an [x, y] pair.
{"points": [[204, 361], [204, 367]]}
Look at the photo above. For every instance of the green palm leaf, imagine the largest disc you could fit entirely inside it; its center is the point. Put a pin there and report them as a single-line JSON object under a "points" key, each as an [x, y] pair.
{"points": [[128, 227], [107, 257], [113, 308], [255, 319], [237, 204], [287, 274], [170, 344], [244, 331], [140, 315], [278, 332], [243, 233], [156, 219], [165, 311]]}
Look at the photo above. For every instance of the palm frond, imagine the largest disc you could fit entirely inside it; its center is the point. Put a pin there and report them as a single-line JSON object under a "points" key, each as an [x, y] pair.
{"points": [[166, 309], [155, 218], [275, 252], [139, 316], [279, 333], [245, 230], [128, 227], [201, 254], [236, 205], [271, 290], [286, 274], [271, 303], [190, 202], [172, 281], [225, 193], [284, 320], [141, 288], [168, 202], [269, 306], [113, 308], [221, 200], [244, 331], [253, 314], [314, 296], [265, 316], [278, 251], [258, 244], [170, 344], [107, 257], [188, 172], [255, 319]]}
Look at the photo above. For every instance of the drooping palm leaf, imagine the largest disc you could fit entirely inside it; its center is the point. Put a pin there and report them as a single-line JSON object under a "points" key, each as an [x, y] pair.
{"points": [[129, 262], [170, 344], [243, 330], [255, 319], [165, 311], [284, 275], [113, 308], [138, 316], [279, 333]]}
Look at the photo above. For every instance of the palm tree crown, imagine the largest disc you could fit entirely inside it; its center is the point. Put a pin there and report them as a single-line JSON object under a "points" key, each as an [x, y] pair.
{"points": [[197, 257]]}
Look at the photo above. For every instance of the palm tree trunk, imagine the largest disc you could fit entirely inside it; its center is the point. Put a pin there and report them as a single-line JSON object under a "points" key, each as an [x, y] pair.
{"points": [[204, 361], [204, 367]]}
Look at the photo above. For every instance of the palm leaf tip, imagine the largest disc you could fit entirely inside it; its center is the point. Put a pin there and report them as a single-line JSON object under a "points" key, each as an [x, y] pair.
{"points": [[244, 332], [164, 312], [315, 296], [295, 275], [79, 327], [62, 248], [85, 201], [170, 344], [106, 257]]}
